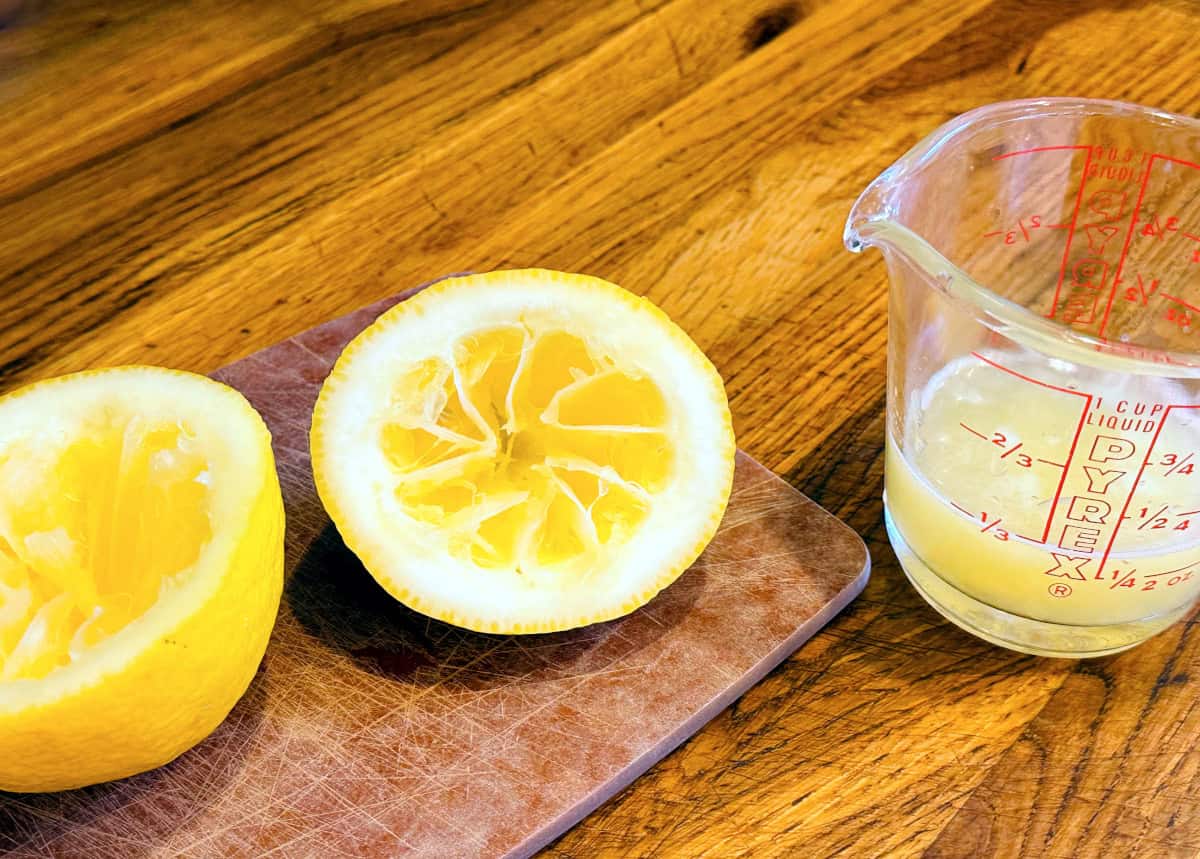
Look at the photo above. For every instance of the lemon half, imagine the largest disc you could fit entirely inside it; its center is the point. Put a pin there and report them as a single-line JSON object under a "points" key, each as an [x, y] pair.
{"points": [[141, 564], [524, 451]]}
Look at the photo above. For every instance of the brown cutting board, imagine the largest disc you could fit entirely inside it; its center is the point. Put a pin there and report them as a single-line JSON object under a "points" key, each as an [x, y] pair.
{"points": [[372, 730]]}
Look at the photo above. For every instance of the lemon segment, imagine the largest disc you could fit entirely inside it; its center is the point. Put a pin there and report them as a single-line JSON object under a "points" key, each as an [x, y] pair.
{"points": [[524, 451], [141, 552]]}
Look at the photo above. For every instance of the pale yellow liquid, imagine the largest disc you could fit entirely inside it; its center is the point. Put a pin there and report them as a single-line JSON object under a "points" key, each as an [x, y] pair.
{"points": [[974, 508]]}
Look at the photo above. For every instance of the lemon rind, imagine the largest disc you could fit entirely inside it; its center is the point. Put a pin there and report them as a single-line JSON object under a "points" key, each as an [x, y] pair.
{"points": [[379, 559], [194, 587]]}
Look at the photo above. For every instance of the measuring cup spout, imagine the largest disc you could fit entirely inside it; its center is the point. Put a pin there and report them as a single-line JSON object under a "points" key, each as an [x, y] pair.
{"points": [[873, 208], [882, 217]]}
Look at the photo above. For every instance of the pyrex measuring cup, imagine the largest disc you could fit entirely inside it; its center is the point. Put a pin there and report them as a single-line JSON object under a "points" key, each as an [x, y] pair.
{"points": [[1042, 483]]}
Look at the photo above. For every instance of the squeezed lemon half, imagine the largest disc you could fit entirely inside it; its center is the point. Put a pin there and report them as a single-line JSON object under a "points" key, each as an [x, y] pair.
{"points": [[524, 451], [141, 563]]}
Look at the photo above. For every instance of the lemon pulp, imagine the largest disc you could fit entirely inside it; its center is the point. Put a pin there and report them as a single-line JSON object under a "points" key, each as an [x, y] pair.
{"points": [[526, 448], [89, 533], [524, 451]]}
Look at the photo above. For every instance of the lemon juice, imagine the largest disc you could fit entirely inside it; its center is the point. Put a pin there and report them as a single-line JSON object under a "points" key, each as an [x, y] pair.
{"points": [[1042, 514]]}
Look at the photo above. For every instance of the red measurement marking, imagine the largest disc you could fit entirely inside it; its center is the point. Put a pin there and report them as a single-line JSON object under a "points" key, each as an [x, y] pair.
{"points": [[1178, 465], [1009, 237], [1136, 481], [1127, 576], [1030, 379], [973, 431], [1178, 161], [1057, 226], [1133, 220], [990, 526], [1185, 515], [1181, 302], [1141, 286], [1062, 270], [963, 509], [1189, 236], [1150, 519], [1055, 464], [1065, 471], [1074, 442], [1169, 572], [1012, 450], [1155, 229], [1041, 149]]}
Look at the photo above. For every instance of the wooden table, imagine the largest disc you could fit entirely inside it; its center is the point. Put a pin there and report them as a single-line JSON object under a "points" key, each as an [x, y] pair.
{"points": [[183, 183]]}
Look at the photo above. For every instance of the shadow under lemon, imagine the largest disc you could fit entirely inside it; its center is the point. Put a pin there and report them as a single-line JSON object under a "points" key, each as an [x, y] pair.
{"points": [[337, 601]]}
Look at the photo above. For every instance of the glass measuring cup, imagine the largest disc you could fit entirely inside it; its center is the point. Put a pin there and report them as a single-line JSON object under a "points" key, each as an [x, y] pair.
{"points": [[1042, 477]]}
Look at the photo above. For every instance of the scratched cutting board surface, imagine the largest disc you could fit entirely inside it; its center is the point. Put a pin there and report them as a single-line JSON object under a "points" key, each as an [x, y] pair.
{"points": [[373, 730]]}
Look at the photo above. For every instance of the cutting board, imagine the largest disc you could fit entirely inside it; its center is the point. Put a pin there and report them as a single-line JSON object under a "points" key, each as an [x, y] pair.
{"points": [[371, 730]]}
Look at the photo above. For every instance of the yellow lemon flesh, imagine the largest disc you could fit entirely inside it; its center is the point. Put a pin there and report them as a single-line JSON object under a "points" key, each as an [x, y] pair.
{"points": [[524, 451], [141, 563]]}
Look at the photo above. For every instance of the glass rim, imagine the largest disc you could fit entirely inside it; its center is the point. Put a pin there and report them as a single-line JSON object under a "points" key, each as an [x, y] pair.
{"points": [[869, 224]]}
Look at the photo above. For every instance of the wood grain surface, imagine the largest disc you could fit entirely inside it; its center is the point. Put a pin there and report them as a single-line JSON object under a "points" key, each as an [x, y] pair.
{"points": [[185, 182]]}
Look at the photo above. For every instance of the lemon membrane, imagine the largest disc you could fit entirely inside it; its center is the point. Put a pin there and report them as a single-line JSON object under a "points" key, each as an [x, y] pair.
{"points": [[93, 528], [524, 451]]}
